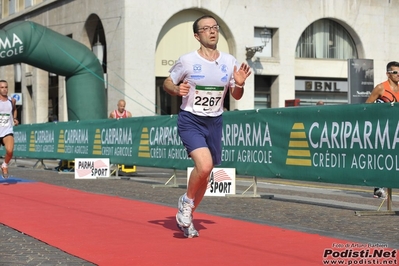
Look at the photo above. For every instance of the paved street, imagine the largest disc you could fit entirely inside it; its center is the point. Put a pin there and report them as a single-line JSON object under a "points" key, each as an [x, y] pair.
{"points": [[326, 209]]}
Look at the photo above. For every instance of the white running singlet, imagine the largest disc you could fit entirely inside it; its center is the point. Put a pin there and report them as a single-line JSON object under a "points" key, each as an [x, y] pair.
{"points": [[209, 82], [6, 117]]}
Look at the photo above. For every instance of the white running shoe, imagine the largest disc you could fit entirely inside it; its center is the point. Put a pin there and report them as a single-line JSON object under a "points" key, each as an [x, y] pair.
{"points": [[189, 232], [4, 169], [184, 215]]}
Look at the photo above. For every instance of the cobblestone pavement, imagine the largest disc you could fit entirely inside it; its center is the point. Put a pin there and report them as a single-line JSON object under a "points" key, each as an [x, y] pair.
{"points": [[17, 248], [324, 209]]}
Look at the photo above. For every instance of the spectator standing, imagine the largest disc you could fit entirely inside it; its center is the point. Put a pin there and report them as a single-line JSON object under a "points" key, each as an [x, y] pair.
{"points": [[120, 112]]}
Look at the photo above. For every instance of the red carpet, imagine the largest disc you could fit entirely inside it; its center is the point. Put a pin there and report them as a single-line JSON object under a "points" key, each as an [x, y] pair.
{"points": [[108, 230]]}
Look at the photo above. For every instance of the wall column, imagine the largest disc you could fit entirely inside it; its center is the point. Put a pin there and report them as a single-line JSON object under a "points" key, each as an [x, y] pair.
{"points": [[40, 95], [62, 101]]}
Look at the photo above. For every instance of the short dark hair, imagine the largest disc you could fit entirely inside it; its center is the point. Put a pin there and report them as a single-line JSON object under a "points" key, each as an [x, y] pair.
{"points": [[195, 24], [391, 64], [2, 80]]}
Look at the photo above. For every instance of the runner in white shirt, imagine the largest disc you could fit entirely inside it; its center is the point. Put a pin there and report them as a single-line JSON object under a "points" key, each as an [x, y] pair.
{"points": [[203, 78], [209, 81], [8, 118]]}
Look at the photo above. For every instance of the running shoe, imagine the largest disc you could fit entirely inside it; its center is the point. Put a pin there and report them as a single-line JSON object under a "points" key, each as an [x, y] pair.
{"points": [[4, 169], [189, 232], [184, 215]]}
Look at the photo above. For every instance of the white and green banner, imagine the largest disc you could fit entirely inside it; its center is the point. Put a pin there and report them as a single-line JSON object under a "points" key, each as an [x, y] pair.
{"points": [[349, 144]]}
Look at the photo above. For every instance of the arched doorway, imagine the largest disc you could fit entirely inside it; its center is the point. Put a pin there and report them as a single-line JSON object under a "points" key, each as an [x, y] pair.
{"points": [[176, 38], [96, 35]]}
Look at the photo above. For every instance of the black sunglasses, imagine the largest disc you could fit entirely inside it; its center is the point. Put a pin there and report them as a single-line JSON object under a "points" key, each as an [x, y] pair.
{"points": [[393, 72]]}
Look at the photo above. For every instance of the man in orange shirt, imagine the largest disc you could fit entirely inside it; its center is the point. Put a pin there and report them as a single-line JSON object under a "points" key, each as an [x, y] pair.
{"points": [[386, 92]]}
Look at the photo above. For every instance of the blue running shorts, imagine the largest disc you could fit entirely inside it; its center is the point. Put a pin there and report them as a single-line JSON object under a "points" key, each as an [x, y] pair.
{"points": [[201, 131]]}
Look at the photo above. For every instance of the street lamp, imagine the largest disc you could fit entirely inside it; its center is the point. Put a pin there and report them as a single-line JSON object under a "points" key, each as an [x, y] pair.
{"points": [[98, 50], [17, 72], [265, 36]]}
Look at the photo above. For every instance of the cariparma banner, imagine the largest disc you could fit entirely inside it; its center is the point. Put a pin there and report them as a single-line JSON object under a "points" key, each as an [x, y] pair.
{"points": [[353, 144]]}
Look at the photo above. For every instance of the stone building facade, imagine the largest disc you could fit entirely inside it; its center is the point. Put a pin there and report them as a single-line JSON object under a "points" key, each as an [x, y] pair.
{"points": [[298, 49]]}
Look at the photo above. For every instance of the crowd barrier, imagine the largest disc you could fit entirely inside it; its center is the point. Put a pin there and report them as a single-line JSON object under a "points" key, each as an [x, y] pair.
{"points": [[345, 144]]}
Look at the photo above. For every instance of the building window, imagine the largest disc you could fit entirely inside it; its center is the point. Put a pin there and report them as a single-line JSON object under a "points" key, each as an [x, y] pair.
{"points": [[262, 91], [28, 3], [262, 37], [12, 5], [326, 39]]}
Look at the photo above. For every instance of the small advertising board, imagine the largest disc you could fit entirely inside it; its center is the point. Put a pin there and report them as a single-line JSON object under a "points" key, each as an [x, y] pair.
{"points": [[221, 182], [92, 168]]}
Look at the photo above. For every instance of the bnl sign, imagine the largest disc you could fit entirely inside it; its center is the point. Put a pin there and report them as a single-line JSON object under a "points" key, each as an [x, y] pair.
{"points": [[18, 98]]}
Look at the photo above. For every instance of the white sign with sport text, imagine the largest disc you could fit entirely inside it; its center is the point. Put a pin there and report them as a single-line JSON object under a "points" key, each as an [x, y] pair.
{"points": [[88, 168], [221, 182]]}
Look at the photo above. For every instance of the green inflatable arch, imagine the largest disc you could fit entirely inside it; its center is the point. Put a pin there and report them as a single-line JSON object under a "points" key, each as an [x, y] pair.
{"points": [[33, 44]]}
